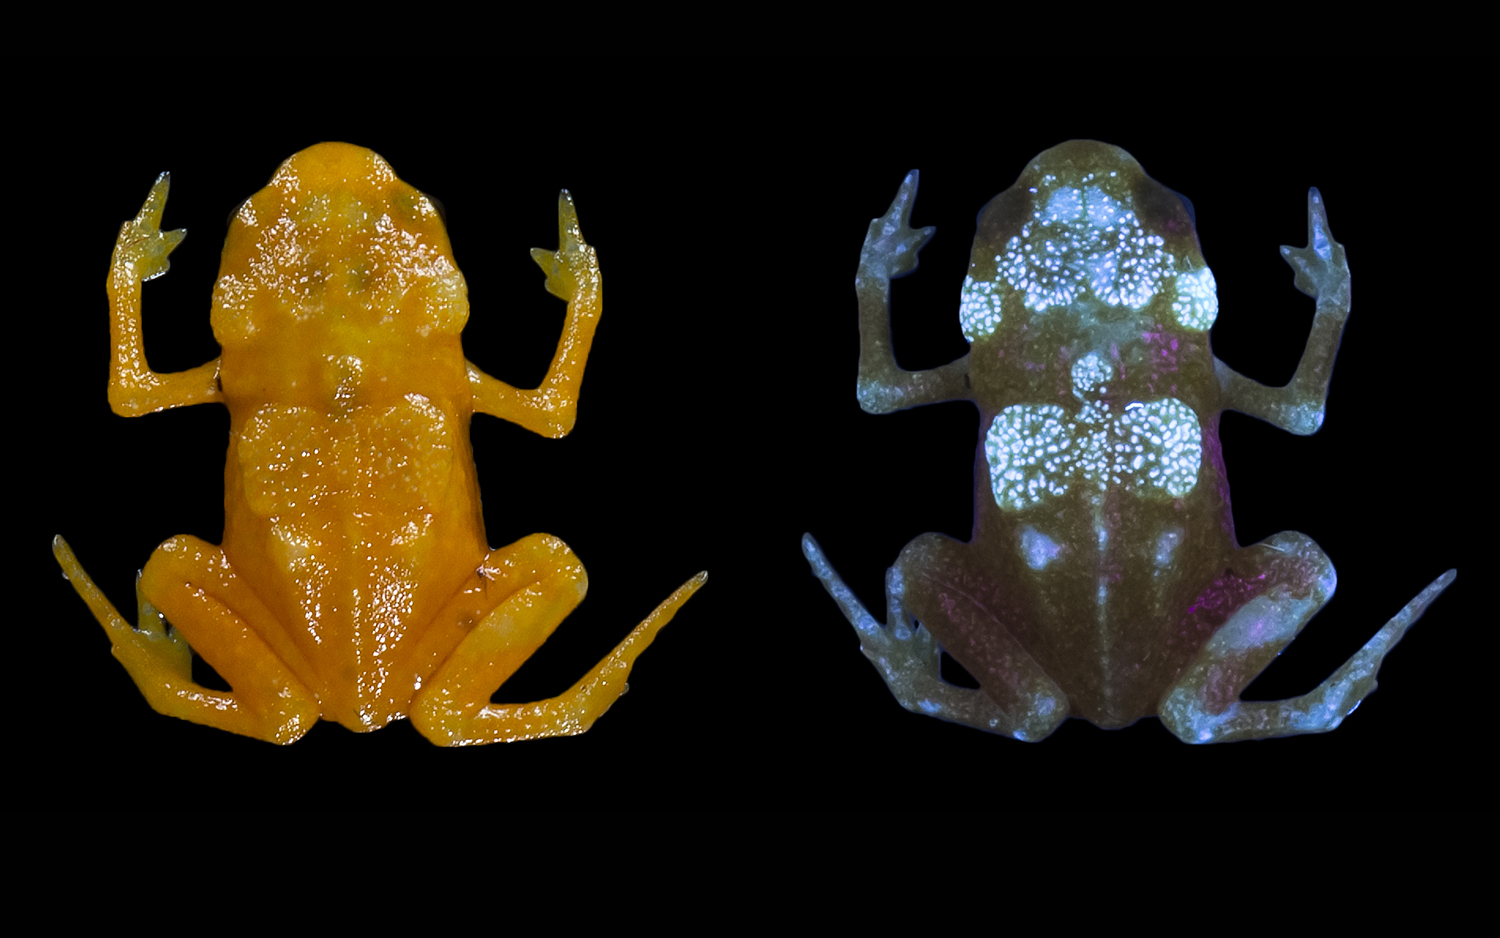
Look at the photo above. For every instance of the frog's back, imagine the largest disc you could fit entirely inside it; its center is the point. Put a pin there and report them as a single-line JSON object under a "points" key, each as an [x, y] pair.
{"points": [[1087, 307], [349, 479]]}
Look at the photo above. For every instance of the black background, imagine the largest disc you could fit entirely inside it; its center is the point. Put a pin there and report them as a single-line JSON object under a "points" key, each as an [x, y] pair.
{"points": [[718, 422]]}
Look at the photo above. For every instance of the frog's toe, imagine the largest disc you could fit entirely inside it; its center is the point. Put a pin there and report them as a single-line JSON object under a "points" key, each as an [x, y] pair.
{"points": [[152, 649]]}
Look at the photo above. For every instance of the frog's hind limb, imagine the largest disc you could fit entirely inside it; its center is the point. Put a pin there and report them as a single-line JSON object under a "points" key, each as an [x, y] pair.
{"points": [[1203, 706], [890, 251], [539, 581], [909, 659], [190, 581], [572, 274], [1323, 274], [141, 254]]}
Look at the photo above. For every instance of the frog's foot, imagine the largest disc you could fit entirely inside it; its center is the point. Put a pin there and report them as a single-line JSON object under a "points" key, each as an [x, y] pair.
{"points": [[891, 245], [1297, 580], [1321, 271], [573, 269], [141, 249], [532, 585], [909, 659], [190, 581]]}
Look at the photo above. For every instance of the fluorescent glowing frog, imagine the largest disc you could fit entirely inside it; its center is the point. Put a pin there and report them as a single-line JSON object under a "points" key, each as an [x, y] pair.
{"points": [[355, 582], [1103, 579]]}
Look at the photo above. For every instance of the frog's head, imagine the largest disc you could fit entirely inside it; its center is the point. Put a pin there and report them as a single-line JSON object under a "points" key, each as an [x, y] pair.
{"points": [[1086, 236], [336, 238]]}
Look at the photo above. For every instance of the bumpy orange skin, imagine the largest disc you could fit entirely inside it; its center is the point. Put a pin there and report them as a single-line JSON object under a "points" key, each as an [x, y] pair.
{"points": [[355, 582]]}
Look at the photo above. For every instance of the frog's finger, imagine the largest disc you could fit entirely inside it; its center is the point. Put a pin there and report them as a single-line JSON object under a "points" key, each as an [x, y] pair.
{"points": [[559, 283], [570, 262], [1318, 264], [142, 246], [156, 202], [891, 243], [899, 213], [569, 235], [155, 262]]}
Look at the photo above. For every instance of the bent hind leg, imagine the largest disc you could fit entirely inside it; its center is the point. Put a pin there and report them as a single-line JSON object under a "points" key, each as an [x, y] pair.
{"points": [[190, 583], [1204, 705]]}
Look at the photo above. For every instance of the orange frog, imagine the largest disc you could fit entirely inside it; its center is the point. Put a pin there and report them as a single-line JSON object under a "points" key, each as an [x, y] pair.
{"points": [[355, 581]]}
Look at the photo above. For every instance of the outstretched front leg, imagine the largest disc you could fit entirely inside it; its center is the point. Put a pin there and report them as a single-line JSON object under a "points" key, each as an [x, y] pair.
{"points": [[1323, 275], [528, 589], [1294, 581], [572, 274], [141, 254], [890, 251], [1030, 706]]}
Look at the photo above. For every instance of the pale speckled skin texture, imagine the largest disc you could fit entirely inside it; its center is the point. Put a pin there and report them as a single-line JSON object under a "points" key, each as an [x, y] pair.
{"points": [[355, 582], [1103, 579]]}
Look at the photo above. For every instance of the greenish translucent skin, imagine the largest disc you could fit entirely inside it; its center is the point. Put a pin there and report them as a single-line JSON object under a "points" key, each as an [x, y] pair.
{"points": [[1103, 579]]}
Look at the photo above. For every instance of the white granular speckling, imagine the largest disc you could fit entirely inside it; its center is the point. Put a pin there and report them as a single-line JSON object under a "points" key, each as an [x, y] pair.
{"points": [[1197, 303], [978, 308], [1084, 242], [1153, 449]]}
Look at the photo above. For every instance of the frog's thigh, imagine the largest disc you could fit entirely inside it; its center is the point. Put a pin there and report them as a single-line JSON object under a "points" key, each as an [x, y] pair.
{"points": [[1297, 580], [193, 585], [937, 582], [530, 586]]}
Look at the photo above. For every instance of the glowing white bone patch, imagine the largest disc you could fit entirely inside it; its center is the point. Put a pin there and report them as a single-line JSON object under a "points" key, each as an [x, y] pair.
{"points": [[1084, 242], [1089, 374], [1197, 303], [1152, 449], [1029, 447], [1166, 545], [1038, 549], [978, 308]]}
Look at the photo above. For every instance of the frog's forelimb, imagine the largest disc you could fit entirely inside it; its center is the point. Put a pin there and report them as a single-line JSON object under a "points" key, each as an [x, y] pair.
{"points": [[141, 254], [1323, 274], [890, 251]]}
